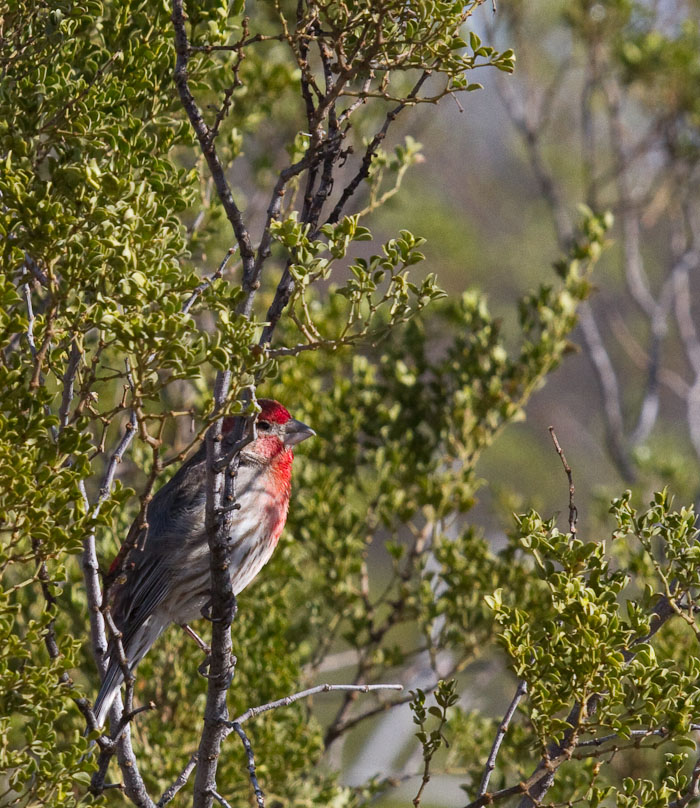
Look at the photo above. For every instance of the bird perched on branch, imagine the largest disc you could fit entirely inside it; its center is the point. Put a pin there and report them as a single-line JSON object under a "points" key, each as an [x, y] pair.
{"points": [[165, 577]]}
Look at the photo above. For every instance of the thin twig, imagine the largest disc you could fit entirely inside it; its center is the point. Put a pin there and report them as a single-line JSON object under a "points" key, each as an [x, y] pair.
{"points": [[609, 390], [259, 796], [37, 355], [573, 512], [219, 798], [287, 700], [285, 286], [520, 691], [69, 382], [208, 281], [181, 781], [26, 292], [661, 732], [372, 147]]}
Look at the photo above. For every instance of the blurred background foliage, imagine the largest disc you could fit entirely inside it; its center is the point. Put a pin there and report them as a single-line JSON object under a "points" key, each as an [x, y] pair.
{"points": [[401, 560]]}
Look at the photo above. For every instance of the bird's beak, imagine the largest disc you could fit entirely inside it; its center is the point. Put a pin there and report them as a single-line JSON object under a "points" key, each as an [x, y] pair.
{"points": [[295, 432]]}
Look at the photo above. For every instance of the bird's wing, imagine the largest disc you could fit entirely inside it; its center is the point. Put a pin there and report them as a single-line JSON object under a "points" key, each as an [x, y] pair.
{"points": [[174, 515]]}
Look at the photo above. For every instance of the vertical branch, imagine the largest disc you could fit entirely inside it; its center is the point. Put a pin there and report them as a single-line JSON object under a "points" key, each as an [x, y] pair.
{"points": [[636, 279], [372, 147], [573, 512], [313, 205], [689, 339], [37, 354], [259, 796], [134, 786], [219, 481], [529, 132], [27, 294], [635, 274], [219, 484], [220, 478], [69, 382], [609, 390], [203, 133]]}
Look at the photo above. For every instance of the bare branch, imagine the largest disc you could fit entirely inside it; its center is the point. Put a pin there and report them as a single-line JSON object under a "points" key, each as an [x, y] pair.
{"points": [[529, 131], [69, 382], [657, 311], [282, 295], [285, 287], [527, 787], [26, 292], [669, 378], [609, 390], [287, 700], [133, 783], [573, 512], [520, 691], [682, 299], [115, 460], [237, 46], [661, 732], [259, 796], [52, 645], [208, 281], [203, 133], [372, 147], [220, 487], [181, 781], [635, 275], [220, 799], [228, 94]]}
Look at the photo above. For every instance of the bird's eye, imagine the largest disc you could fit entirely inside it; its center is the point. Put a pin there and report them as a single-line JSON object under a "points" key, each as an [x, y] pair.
{"points": [[264, 426]]}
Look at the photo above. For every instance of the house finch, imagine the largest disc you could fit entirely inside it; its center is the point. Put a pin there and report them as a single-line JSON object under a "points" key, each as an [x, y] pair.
{"points": [[166, 576]]}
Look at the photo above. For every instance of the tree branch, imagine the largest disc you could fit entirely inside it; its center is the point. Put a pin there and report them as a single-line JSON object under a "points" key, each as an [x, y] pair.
{"points": [[520, 691], [208, 281], [573, 512], [220, 489], [371, 150], [181, 781], [287, 700], [134, 786], [609, 391], [69, 382], [259, 796], [206, 143]]}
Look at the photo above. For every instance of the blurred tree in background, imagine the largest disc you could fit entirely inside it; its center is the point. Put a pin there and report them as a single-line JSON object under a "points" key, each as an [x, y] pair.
{"points": [[186, 197], [602, 109]]}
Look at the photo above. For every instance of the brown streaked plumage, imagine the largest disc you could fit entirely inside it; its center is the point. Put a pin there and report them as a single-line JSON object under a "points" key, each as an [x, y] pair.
{"points": [[166, 578]]}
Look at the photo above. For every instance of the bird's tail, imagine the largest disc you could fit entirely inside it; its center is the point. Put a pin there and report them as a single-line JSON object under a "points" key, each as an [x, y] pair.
{"points": [[135, 648], [110, 687]]}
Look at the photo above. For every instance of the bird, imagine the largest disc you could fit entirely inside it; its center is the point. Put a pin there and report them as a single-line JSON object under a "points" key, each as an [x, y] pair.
{"points": [[165, 577]]}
